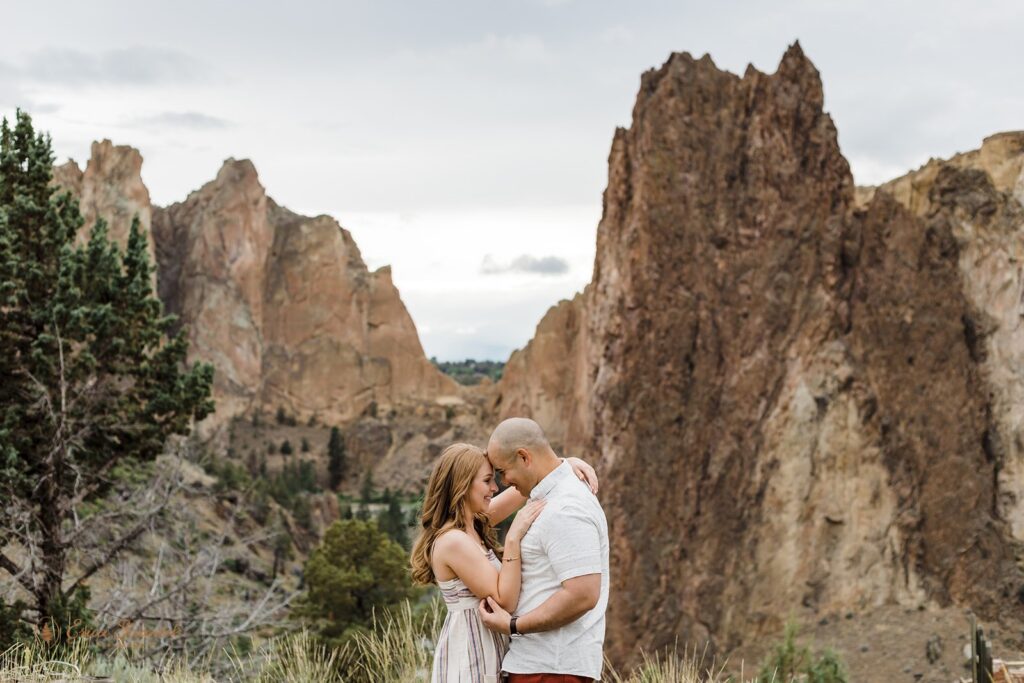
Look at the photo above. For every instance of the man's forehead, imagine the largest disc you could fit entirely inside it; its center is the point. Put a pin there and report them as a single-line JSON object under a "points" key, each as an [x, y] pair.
{"points": [[496, 461]]}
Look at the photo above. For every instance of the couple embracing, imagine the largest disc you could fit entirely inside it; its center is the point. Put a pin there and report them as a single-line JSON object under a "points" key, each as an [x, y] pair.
{"points": [[533, 610]]}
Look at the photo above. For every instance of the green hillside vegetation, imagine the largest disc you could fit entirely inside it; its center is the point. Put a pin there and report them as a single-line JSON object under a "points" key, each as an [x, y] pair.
{"points": [[470, 372]]}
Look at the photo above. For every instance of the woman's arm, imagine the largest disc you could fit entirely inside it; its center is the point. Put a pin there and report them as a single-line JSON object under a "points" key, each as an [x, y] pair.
{"points": [[510, 500], [463, 557], [504, 504]]}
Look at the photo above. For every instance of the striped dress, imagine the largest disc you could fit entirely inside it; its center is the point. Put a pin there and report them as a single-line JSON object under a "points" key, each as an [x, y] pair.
{"points": [[466, 651]]}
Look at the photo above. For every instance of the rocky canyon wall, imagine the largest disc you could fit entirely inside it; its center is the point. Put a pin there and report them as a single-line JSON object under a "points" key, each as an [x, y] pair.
{"points": [[799, 402]]}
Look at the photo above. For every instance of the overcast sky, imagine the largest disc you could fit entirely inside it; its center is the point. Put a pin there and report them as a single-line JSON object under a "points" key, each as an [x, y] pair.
{"points": [[465, 142]]}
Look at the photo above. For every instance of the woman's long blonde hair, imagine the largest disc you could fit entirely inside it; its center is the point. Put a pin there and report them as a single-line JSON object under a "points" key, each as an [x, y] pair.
{"points": [[444, 505]]}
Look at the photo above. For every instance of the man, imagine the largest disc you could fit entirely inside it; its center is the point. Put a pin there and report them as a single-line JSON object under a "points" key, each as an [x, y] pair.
{"points": [[557, 633]]}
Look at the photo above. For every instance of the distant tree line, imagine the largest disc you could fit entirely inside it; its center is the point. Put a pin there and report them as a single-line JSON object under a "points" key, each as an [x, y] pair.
{"points": [[469, 371]]}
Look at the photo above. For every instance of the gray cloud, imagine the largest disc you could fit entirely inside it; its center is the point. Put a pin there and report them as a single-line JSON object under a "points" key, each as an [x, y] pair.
{"points": [[124, 66], [545, 265], [181, 119]]}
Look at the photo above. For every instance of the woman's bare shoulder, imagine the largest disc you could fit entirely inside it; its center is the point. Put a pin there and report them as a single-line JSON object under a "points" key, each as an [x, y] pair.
{"points": [[451, 540]]}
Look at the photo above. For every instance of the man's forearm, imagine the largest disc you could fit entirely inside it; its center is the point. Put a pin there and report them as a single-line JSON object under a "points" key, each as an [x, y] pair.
{"points": [[560, 609]]}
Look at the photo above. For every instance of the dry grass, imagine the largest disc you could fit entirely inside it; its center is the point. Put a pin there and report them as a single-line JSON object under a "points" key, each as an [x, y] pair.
{"points": [[397, 650], [673, 667], [32, 665]]}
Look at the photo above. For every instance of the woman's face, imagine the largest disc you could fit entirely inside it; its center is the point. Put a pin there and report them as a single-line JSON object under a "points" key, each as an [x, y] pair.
{"points": [[482, 488]]}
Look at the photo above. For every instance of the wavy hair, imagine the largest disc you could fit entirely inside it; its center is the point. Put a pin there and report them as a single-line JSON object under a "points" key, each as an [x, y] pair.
{"points": [[444, 506]]}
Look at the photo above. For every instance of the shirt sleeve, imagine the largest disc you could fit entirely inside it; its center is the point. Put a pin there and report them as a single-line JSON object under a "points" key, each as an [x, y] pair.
{"points": [[574, 545]]}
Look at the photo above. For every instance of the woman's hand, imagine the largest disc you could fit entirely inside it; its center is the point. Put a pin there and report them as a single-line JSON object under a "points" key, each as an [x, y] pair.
{"points": [[585, 472], [524, 519]]}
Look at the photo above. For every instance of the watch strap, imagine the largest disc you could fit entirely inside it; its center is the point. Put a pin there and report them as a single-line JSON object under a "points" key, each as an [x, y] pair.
{"points": [[512, 630]]}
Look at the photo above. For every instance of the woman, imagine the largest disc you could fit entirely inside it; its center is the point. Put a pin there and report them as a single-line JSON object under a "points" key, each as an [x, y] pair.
{"points": [[457, 548]]}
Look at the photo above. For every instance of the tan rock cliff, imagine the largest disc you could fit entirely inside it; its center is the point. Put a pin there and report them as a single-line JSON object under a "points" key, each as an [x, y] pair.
{"points": [[548, 380], [111, 188], [281, 304], [285, 307]]}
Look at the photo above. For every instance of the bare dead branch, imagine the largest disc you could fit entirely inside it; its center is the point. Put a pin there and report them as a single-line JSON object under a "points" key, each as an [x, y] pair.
{"points": [[17, 572]]}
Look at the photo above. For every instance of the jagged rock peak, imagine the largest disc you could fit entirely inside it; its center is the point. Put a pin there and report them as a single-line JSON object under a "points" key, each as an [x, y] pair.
{"points": [[236, 170], [111, 188]]}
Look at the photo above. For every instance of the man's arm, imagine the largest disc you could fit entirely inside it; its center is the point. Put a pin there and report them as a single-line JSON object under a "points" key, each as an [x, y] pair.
{"points": [[576, 597]]}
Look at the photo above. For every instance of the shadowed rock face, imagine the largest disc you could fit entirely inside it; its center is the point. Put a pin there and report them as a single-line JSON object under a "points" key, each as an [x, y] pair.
{"points": [[784, 391]]}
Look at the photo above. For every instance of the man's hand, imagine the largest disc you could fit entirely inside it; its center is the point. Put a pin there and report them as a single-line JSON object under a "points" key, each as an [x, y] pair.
{"points": [[495, 618]]}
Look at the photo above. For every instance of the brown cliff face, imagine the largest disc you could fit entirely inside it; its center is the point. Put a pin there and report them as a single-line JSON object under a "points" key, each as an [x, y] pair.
{"points": [[784, 391], [285, 307], [111, 188], [979, 196]]}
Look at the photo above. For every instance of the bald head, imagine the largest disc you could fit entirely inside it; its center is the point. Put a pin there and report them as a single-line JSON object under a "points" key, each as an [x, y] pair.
{"points": [[520, 453], [515, 433]]}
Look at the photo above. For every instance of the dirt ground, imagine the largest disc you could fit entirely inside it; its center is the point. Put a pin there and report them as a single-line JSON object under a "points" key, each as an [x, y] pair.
{"points": [[892, 644]]}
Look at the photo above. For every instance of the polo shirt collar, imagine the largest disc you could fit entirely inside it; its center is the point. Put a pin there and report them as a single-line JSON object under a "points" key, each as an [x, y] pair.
{"points": [[548, 483]]}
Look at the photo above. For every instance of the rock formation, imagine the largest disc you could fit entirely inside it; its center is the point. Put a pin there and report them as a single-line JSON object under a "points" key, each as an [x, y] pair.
{"points": [[791, 397], [980, 195], [111, 188], [285, 307], [281, 304], [548, 379]]}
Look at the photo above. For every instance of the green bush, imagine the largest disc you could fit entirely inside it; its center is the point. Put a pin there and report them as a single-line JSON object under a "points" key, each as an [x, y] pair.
{"points": [[792, 663], [343, 595]]}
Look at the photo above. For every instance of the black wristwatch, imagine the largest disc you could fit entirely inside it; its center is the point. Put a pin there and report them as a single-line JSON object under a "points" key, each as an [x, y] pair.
{"points": [[512, 630]]}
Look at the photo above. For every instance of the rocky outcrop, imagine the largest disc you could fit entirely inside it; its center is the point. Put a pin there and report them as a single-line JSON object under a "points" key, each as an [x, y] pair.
{"points": [[787, 392], [548, 380], [285, 307], [110, 188], [979, 196], [281, 304]]}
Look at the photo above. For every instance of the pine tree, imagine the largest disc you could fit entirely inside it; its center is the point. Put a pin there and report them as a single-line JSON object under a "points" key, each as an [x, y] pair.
{"points": [[392, 521], [366, 492], [286, 447], [341, 593], [305, 445], [336, 464], [90, 381]]}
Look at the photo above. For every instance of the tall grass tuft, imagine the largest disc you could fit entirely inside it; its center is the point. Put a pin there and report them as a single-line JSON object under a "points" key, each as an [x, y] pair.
{"points": [[672, 666], [399, 648], [295, 658], [31, 663]]}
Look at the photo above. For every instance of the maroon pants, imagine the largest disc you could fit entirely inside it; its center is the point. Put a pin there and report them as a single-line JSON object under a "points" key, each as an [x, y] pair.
{"points": [[547, 678]]}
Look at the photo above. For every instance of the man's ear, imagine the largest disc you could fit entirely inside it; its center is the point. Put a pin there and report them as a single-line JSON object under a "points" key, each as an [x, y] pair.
{"points": [[524, 455]]}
